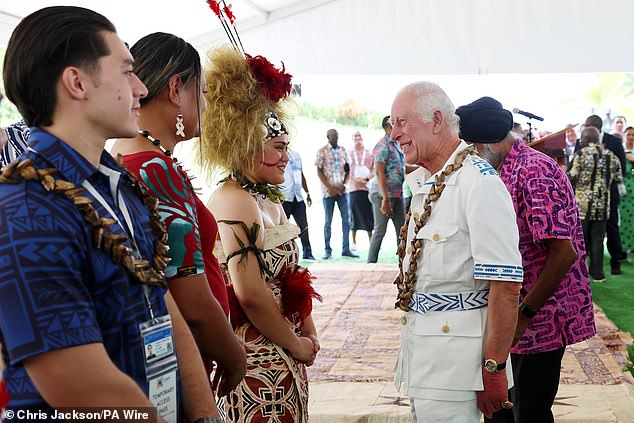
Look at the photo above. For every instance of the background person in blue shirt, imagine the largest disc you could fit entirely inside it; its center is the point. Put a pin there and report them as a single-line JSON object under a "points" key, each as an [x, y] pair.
{"points": [[69, 312], [294, 204]]}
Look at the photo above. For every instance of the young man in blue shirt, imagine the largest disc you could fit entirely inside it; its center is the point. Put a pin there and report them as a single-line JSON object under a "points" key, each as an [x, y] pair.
{"points": [[82, 292]]}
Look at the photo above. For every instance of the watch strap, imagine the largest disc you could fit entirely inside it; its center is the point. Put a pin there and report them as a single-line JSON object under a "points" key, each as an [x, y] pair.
{"points": [[526, 310], [498, 366]]}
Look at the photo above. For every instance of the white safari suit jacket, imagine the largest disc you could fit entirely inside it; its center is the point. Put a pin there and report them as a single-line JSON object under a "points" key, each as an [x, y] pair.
{"points": [[471, 238]]}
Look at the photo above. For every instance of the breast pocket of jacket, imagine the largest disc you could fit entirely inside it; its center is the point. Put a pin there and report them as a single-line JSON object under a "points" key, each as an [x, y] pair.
{"points": [[442, 251]]}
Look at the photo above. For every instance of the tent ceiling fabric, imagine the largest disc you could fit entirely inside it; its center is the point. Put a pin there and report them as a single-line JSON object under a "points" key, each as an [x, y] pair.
{"points": [[391, 36]]}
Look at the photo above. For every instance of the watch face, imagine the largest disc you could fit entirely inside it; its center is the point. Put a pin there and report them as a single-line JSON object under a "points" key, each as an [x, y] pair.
{"points": [[490, 365]]}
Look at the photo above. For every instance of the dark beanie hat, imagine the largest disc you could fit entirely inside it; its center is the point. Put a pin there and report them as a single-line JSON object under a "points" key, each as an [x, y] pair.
{"points": [[484, 121]]}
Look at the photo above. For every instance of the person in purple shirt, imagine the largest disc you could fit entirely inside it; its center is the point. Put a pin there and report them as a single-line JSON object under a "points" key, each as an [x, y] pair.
{"points": [[556, 301]]}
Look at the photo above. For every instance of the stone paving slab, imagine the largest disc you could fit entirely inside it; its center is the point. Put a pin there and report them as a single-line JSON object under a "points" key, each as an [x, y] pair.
{"points": [[354, 402], [351, 381]]}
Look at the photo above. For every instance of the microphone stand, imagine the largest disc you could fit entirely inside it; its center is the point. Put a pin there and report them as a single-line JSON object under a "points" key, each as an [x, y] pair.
{"points": [[530, 131]]}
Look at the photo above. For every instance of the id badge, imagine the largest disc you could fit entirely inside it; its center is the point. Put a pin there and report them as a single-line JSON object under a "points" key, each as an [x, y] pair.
{"points": [[161, 366]]}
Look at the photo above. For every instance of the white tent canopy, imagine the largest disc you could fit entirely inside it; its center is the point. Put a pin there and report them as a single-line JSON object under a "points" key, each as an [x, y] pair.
{"points": [[379, 37]]}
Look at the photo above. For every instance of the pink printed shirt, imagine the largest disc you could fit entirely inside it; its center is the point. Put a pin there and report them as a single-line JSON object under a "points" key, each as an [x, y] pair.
{"points": [[546, 209]]}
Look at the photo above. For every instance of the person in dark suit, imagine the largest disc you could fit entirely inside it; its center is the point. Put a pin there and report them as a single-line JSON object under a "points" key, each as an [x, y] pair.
{"points": [[612, 143]]}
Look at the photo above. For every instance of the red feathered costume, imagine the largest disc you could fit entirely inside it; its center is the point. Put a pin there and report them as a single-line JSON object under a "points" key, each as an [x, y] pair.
{"points": [[297, 297], [4, 395]]}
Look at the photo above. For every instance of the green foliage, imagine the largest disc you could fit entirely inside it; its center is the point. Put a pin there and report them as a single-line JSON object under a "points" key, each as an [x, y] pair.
{"points": [[630, 356], [609, 92], [8, 112], [350, 113], [616, 296]]}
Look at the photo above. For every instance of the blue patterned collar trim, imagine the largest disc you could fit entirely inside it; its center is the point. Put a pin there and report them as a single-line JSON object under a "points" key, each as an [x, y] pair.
{"points": [[72, 165]]}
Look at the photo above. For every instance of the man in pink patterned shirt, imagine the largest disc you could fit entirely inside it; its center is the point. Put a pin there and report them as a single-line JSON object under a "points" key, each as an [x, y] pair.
{"points": [[556, 302]]}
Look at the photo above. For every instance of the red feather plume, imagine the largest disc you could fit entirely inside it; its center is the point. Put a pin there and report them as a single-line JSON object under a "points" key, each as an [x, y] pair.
{"points": [[297, 297], [298, 294], [4, 395], [214, 6], [229, 14], [276, 83]]}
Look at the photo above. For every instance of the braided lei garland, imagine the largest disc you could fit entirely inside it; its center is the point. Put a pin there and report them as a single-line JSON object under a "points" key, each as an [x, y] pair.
{"points": [[406, 281], [112, 244]]}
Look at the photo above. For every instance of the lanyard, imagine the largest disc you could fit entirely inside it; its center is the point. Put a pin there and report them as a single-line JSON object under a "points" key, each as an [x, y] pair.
{"points": [[114, 177], [335, 152], [356, 158]]}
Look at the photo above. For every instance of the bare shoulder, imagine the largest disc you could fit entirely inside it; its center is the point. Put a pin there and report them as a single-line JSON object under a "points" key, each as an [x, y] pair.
{"points": [[238, 216], [231, 202]]}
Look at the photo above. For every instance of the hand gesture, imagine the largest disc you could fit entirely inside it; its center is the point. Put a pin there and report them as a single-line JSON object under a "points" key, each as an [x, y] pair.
{"points": [[495, 394], [386, 207], [316, 348], [305, 350], [522, 324], [225, 380]]}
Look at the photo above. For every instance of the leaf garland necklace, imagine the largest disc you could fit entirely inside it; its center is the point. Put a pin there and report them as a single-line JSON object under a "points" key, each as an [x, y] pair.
{"points": [[103, 238], [271, 192], [406, 281]]}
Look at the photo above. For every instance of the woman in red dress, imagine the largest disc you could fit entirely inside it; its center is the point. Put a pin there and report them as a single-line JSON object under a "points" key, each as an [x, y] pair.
{"points": [[171, 70]]}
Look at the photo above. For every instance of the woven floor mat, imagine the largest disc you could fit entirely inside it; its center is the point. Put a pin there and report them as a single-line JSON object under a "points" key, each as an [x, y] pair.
{"points": [[359, 333]]}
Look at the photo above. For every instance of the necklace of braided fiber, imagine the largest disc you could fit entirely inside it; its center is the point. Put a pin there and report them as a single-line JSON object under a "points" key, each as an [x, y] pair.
{"points": [[406, 281]]}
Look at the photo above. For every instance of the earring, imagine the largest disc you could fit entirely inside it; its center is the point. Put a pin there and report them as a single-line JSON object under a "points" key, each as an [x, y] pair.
{"points": [[180, 126]]}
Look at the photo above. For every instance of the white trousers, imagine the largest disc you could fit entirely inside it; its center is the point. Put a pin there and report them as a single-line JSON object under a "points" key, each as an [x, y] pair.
{"points": [[438, 411]]}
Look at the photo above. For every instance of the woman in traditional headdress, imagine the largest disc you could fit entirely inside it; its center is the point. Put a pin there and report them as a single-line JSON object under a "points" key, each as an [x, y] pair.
{"points": [[271, 296], [171, 70]]}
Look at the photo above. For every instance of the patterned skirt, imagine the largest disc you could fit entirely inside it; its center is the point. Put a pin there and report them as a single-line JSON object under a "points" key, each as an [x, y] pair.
{"points": [[275, 388]]}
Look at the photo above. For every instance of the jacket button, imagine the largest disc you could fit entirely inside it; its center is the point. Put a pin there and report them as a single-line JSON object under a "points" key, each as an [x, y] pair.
{"points": [[403, 320], [436, 237], [445, 328]]}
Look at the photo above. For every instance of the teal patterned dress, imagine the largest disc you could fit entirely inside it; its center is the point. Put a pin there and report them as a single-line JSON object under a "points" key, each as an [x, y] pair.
{"points": [[626, 209]]}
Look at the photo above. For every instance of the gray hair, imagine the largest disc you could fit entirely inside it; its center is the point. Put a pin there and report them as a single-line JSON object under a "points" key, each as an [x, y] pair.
{"points": [[431, 98], [590, 135]]}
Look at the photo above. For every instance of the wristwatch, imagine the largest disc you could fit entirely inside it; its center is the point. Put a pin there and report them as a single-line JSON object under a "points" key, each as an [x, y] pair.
{"points": [[493, 366], [527, 311]]}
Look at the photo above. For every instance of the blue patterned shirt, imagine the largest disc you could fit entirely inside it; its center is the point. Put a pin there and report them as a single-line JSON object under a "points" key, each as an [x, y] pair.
{"points": [[56, 289], [389, 152]]}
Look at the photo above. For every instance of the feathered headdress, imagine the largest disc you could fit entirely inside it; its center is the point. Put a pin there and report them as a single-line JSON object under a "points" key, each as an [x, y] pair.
{"points": [[245, 97]]}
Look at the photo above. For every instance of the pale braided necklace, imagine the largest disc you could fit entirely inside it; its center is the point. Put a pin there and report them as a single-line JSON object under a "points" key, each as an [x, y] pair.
{"points": [[406, 281]]}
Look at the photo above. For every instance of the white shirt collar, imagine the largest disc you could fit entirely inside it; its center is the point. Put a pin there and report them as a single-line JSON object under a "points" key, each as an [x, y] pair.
{"points": [[421, 180]]}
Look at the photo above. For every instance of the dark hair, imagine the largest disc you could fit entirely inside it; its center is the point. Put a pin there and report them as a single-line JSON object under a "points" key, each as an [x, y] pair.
{"points": [[385, 122], [595, 121], [159, 56], [628, 128], [41, 47]]}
